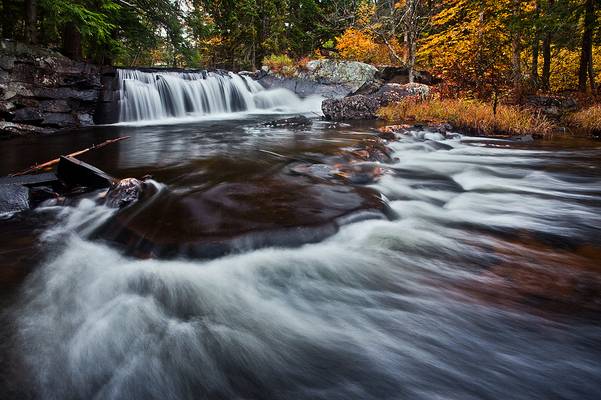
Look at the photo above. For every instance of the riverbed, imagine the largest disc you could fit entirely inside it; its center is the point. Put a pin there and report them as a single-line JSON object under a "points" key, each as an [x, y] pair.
{"points": [[470, 269]]}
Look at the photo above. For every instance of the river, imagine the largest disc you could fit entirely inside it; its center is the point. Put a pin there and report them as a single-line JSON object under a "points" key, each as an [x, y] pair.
{"points": [[469, 270]]}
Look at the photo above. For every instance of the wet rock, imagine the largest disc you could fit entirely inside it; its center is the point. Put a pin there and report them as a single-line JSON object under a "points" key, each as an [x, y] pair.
{"points": [[75, 173], [30, 115], [365, 106], [523, 138], [13, 198], [319, 171], [124, 192], [85, 119], [14, 129], [60, 120], [440, 128], [281, 210], [6, 107], [55, 106], [29, 180], [44, 89], [354, 107], [41, 194], [303, 86], [294, 122]]}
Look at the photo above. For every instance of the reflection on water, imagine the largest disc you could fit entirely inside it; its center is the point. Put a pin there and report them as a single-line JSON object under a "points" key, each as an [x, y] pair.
{"points": [[481, 281]]}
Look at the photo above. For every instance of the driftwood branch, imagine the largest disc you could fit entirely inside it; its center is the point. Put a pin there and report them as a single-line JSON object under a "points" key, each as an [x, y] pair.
{"points": [[52, 163]]}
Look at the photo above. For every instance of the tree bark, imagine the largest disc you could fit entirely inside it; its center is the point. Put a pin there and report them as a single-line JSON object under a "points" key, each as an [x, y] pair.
{"points": [[72, 41], [548, 38], [516, 48], [586, 55], [412, 47], [31, 17], [535, 51]]}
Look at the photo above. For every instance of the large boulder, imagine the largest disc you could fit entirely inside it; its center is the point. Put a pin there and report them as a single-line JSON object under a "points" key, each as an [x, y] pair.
{"points": [[352, 74], [328, 78], [365, 106]]}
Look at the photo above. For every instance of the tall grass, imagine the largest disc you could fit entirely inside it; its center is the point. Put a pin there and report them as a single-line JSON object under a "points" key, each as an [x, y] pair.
{"points": [[587, 120], [469, 115]]}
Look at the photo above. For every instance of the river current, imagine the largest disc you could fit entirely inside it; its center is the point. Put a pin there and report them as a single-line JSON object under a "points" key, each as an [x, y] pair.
{"points": [[481, 278]]}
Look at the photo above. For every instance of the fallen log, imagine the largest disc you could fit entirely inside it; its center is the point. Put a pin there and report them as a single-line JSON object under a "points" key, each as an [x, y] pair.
{"points": [[55, 161]]}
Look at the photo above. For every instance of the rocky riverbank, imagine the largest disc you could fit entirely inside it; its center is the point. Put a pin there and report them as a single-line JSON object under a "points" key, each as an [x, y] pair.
{"points": [[42, 91]]}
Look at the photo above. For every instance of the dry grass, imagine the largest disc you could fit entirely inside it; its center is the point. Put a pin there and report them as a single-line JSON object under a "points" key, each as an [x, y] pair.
{"points": [[469, 115], [587, 121]]}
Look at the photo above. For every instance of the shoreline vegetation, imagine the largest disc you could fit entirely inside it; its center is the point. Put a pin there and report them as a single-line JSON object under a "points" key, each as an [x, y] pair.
{"points": [[477, 117], [470, 116], [480, 118]]}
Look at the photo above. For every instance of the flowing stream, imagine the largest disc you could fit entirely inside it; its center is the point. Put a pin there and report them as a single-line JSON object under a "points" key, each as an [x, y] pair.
{"points": [[469, 270]]}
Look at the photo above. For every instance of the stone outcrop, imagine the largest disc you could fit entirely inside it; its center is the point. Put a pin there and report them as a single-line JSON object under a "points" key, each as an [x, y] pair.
{"points": [[366, 104], [42, 91], [328, 78]]}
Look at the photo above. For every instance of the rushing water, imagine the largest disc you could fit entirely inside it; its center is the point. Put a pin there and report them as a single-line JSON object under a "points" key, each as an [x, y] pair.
{"points": [[480, 281], [156, 96]]}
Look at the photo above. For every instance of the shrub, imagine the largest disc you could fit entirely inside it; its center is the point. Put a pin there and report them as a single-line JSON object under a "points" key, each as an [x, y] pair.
{"points": [[469, 115], [280, 64], [587, 120]]}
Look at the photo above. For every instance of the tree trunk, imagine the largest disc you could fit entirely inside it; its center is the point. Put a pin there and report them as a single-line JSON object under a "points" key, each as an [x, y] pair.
{"points": [[586, 55], [31, 16], [535, 51], [516, 49], [72, 41], [412, 47], [9, 18], [534, 69], [546, 77]]}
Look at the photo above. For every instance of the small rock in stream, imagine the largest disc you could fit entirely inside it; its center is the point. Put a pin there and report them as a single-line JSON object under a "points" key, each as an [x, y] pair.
{"points": [[124, 192]]}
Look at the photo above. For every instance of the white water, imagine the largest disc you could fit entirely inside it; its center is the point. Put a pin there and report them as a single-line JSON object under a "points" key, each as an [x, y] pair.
{"points": [[158, 97], [368, 314]]}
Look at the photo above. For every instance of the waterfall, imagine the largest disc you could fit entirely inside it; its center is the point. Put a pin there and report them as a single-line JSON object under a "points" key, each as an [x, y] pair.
{"points": [[160, 95]]}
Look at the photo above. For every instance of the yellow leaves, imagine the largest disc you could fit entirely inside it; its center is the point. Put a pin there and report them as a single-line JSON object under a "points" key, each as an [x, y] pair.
{"points": [[361, 45], [365, 13]]}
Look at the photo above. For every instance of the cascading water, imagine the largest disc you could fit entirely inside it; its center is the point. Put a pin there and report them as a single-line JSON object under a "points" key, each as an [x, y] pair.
{"points": [[148, 96]]}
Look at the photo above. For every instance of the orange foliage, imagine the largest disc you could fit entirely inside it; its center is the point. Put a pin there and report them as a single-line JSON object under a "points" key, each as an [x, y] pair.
{"points": [[361, 45]]}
